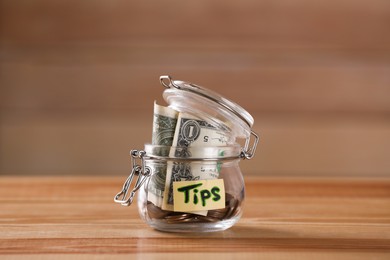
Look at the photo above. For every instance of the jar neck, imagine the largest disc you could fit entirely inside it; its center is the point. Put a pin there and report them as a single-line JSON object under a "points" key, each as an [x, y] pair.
{"points": [[214, 153]]}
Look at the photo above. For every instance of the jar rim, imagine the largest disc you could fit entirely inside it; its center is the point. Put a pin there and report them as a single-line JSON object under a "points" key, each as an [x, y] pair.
{"points": [[194, 152]]}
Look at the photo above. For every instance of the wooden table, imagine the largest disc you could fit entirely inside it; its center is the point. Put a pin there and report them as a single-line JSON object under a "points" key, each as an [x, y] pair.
{"points": [[75, 217]]}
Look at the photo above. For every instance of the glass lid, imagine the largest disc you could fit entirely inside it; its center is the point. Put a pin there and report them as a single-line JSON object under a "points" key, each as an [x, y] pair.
{"points": [[195, 91]]}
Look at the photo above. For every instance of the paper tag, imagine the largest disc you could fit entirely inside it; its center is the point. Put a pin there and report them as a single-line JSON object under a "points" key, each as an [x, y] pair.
{"points": [[198, 195]]}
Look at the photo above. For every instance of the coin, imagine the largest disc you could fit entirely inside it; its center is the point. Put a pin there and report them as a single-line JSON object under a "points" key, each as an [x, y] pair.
{"points": [[233, 206], [156, 212], [209, 219], [231, 209], [219, 213], [179, 216]]}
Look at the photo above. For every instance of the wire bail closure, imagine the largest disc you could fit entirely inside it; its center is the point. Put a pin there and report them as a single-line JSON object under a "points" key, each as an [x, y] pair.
{"points": [[249, 153], [142, 171]]}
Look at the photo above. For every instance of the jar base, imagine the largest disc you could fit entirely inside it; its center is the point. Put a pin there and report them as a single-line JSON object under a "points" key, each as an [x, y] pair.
{"points": [[162, 225]]}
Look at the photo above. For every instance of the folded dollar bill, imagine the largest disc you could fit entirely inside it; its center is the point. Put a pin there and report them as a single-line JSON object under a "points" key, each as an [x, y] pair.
{"points": [[192, 132], [164, 125]]}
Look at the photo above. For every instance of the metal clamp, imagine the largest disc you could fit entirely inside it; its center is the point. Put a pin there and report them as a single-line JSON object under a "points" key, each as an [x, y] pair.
{"points": [[249, 153], [142, 171]]}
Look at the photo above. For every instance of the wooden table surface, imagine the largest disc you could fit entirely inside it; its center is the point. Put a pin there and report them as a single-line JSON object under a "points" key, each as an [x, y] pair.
{"points": [[75, 217]]}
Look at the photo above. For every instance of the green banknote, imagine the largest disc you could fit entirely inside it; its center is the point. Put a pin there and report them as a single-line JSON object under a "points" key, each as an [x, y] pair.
{"points": [[164, 125], [192, 132]]}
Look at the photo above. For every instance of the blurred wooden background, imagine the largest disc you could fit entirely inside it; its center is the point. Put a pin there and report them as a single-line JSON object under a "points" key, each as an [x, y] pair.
{"points": [[78, 80]]}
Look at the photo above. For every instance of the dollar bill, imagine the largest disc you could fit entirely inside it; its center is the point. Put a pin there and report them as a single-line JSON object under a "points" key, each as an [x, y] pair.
{"points": [[192, 132], [164, 125]]}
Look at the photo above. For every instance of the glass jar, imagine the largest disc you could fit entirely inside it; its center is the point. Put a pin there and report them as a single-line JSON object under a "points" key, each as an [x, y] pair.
{"points": [[193, 188]]}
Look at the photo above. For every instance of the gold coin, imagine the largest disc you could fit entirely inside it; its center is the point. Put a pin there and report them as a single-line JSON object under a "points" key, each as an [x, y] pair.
{"points": [[156, 212]]}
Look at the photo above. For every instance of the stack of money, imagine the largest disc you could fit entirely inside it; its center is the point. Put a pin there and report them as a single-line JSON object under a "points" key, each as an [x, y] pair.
{"points": [[174, 131]]}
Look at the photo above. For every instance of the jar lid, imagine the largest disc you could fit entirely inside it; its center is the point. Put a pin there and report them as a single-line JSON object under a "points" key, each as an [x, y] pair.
{"points": [[217, 110], [234, 108], [188, 97]]}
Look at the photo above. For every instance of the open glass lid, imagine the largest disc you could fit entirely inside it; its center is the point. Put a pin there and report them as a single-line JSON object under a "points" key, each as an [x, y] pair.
{"points": [[210, 95], [204, 103]]}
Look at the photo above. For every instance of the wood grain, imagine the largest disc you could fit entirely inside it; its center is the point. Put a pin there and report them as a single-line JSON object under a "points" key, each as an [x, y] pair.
{"points": [[276, 23], [291, 145], [268, 56], [78, 79], [303, 218]]}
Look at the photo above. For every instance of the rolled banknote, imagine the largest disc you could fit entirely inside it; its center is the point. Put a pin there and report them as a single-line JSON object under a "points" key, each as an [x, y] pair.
{"points": [[192, 132], [164, 125]]}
